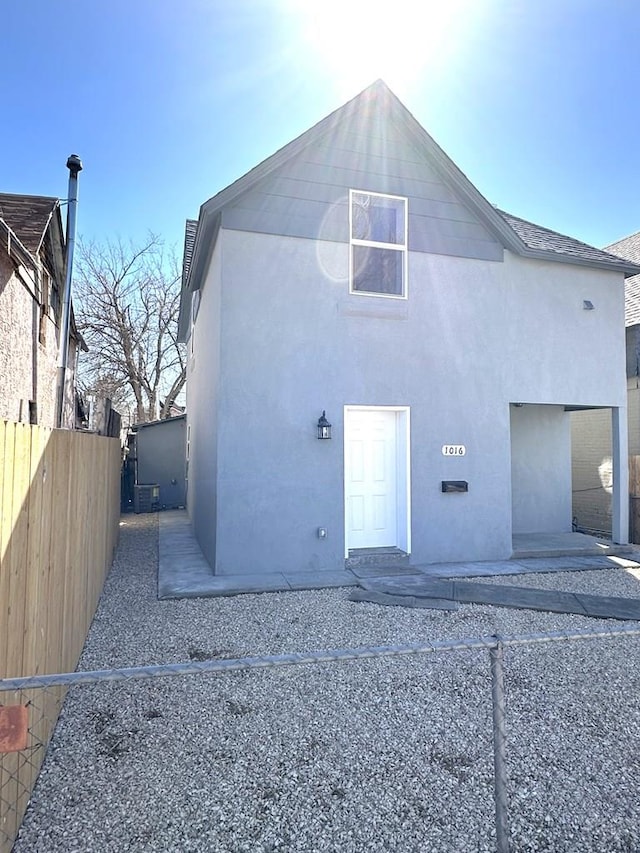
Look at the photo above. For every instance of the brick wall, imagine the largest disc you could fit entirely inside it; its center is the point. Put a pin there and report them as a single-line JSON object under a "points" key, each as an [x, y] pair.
{"points": [[591, 469], [633, 396], [591, 460]]}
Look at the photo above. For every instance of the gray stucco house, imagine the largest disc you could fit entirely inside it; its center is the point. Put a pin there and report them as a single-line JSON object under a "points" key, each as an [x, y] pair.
{"points": [[358, 273]]}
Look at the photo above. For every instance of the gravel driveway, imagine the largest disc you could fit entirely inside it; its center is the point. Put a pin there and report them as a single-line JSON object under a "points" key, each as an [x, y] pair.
{"points": [[380, 755]]}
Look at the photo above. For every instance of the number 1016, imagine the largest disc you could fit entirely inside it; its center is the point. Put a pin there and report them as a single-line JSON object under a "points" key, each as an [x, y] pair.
{"points": [[453, 450]]}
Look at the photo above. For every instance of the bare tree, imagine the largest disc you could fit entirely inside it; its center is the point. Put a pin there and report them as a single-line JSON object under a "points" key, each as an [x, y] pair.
{"points": [[127, 299]]}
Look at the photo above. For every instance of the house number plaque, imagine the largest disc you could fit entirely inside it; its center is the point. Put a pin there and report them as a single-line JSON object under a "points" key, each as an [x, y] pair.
{"points": [[453, 450]]}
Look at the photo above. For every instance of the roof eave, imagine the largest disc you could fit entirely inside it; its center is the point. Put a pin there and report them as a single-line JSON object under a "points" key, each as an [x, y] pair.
{"points": [[465, 188], [55, 208], [282, 155], [628, 269], [485, 210], [58, 241], [15, 243], [158, 422], [205, 240], [501, 229], [210, 212]]}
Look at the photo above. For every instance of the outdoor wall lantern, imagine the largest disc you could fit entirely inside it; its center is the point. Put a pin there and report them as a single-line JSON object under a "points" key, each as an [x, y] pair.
{"points": [[324, 427]]}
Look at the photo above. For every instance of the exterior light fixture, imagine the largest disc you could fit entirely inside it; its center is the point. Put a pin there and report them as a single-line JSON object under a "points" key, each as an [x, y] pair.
{"points": [[324, 427], [588, 305]]}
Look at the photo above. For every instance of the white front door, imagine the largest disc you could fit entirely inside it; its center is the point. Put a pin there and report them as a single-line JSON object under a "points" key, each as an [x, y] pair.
{"points": [[371, 488]]}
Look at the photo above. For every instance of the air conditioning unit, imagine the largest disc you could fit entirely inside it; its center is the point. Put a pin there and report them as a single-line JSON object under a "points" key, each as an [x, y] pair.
{"points": [[146, 498]]}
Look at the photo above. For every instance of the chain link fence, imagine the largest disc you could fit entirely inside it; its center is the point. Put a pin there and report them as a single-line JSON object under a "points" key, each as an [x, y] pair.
{"points": [[24, 736]]}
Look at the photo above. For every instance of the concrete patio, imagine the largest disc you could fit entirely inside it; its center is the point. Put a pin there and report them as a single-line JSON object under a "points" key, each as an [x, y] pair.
{"points": [[183, 571]]}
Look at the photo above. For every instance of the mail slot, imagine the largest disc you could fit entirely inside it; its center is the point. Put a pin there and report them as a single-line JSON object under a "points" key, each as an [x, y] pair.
{"points": [[455, 486]]}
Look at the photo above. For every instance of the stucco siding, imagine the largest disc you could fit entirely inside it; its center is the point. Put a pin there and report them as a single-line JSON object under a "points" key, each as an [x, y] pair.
{"points": [[203, 378], [48, 379], [28, 368], [69, 403], [557, 351], [472, 338], [308, 197], [541, 469], [16, 324]]}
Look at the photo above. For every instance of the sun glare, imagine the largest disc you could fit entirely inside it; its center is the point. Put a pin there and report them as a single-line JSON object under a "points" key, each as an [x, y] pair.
{"points": [[358, 41]]}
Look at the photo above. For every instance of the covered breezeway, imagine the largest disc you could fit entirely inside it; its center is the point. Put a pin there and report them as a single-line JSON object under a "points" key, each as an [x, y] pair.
{"points": [[541, 478]]}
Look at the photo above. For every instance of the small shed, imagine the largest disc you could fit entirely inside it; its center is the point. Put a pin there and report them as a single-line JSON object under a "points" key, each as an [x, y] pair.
{"points": [[157, 457]]}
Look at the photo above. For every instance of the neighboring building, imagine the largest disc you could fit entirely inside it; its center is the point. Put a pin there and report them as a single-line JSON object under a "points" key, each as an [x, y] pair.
{"points": [[358, 272], [174, 410], [591, 431], [32, 275], [156, 457]]}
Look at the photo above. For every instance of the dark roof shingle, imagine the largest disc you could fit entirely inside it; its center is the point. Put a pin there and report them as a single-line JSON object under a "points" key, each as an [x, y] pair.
{"points": [[629, 248], [28, 217], [542, 239]]}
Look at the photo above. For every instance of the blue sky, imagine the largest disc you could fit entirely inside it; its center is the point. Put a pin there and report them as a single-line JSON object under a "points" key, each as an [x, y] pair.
{"points": [[168, 102]]}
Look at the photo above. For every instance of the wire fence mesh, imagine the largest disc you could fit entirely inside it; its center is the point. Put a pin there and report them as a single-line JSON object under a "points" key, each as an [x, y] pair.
{"points": [[245, 769]]}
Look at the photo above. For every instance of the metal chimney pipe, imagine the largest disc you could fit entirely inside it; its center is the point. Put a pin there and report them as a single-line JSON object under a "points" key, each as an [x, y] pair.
{"points": [[74, 165]]}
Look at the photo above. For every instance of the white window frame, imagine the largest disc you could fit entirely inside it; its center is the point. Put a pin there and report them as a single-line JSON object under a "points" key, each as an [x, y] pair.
{"points": [[398, 247]]}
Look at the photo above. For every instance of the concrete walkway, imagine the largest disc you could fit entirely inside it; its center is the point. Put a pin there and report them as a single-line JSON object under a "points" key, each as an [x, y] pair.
{"points": [[441, 592], [526, 545], [183, 571]]}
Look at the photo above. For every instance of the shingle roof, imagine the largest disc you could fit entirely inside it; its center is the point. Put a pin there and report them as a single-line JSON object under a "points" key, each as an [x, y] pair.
{"points": [[28, 217], [544, 239], [629, 248]]}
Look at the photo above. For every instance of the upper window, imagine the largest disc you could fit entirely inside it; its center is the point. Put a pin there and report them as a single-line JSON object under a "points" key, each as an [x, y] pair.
{"points": [[378, 244]]}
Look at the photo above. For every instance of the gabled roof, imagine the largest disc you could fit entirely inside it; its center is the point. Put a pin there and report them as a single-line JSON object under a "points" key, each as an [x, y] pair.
{"points": [[28, 216], [36, 221], [545, 240], [378, 103], [629, 248]]}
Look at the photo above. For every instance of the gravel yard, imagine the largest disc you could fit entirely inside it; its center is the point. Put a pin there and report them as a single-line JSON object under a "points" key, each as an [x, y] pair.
{"points": [[380, 755]]}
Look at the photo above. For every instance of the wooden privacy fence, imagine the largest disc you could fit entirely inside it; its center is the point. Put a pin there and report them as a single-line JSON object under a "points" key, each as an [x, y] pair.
{"points": [[59, 516]]}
